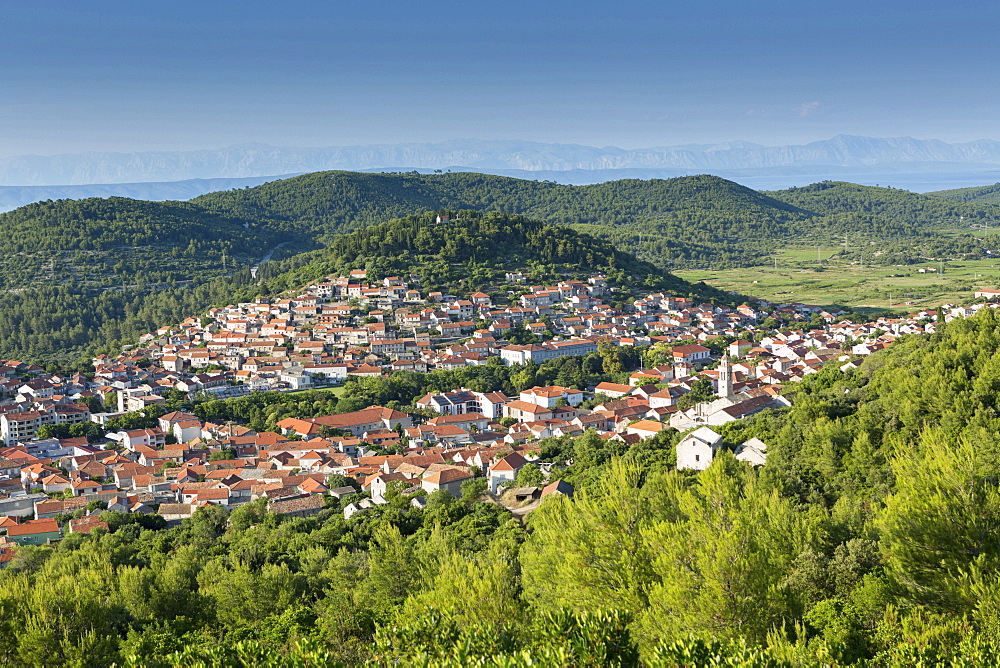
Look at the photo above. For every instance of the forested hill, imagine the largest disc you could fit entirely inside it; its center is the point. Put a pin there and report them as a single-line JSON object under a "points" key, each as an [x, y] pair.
{"points": [[97, 223], [101, 242], [332, 200], [978, 194], [682, 219], [682, 222], [471, 251], [468, 251], [886, 211]]}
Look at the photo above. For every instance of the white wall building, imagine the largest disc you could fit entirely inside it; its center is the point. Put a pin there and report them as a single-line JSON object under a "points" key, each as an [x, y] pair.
{"points": [[697, 449]]}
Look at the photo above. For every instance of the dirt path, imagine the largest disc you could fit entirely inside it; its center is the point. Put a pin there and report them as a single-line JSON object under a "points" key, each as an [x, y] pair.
{"points": [[518, 512]]}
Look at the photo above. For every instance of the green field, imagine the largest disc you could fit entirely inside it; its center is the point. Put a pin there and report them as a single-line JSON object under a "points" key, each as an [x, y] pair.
{"points": [[800, 278], [337, 391]]}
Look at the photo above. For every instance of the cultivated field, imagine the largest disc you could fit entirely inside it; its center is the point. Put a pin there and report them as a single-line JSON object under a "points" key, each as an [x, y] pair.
{"points": [[800, 278]]}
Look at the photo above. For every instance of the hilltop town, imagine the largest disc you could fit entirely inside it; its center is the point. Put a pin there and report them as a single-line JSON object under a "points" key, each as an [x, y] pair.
{"points": [[71, 451]]}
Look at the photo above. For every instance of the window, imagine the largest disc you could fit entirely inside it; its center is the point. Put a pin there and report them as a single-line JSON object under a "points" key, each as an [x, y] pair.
{"points": [[697, 458]]}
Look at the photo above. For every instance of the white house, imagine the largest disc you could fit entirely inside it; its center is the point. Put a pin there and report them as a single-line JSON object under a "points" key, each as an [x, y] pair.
{"points": [[491, 404], [753, 452], [295, 379], [450, 480], [548, 397], [505, 469], [697, 449]]}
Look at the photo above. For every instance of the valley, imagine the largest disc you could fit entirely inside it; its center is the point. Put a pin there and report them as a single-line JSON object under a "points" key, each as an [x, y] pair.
{"points": [[897, 288]]}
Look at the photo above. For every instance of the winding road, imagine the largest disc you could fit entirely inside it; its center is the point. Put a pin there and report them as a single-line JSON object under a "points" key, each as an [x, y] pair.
{"points": [[266, 258]]}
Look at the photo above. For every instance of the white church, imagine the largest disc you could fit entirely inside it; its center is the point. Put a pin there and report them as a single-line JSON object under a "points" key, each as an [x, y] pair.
{"points": [[698, 449]]}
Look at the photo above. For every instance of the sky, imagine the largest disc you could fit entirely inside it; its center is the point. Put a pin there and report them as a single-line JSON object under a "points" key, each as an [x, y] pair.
{"points": [[181, 75]]}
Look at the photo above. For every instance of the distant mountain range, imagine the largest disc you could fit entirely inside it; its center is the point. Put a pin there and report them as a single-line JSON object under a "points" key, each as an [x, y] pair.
{"points": [[904, 162], [255, 160]]}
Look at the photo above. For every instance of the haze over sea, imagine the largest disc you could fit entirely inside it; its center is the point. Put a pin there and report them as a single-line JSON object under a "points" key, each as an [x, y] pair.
{"points": [[903, 162]]}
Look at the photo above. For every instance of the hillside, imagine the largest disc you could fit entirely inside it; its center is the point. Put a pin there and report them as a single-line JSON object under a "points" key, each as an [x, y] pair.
{"points": [[978, 194], [471, 252], [681, 220], [105, 242], [850, 208], [102, 270], [336, 199]]}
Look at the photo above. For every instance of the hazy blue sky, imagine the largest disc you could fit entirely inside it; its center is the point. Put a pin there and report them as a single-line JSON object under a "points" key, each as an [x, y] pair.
{"points": [[124, 76]]}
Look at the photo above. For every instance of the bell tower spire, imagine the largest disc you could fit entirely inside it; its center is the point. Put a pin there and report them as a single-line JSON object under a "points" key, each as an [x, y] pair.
{"points": [[725, 378]]}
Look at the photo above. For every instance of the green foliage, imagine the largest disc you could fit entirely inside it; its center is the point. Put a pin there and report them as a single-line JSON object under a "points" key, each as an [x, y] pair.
{"points": [[979, 194], [698, 652], [530, 476], [586, 554], [474, 488], [942, 523], [701, 391], [558, 638], [722, 557], [306, 652]]}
